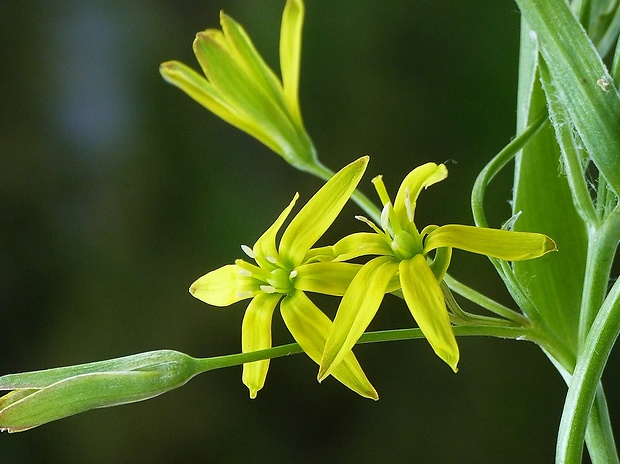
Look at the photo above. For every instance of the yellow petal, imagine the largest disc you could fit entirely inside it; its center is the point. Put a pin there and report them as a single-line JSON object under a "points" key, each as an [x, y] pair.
{"points": [[421, 177], [290, 54], [203, 92], [357, 308], [309, 326], [251, 98], [265, 247], [321, 210], [425, 300], [496, 243], [351, 246], [256, 335], [224, 286], [245, 54], [327, 278]]}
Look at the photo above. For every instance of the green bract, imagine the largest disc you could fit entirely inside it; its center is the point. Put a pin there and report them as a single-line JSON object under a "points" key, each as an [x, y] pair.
{"points": [[404, 254], [43, 396], [242, 90], [282, 274]]}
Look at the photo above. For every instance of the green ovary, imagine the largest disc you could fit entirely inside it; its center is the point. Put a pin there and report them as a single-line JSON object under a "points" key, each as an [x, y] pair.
{"points": [[405, 246], [281, 280]]}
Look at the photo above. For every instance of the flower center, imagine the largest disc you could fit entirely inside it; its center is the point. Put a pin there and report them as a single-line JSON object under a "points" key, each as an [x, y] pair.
{"points": [[279, 281], [405, 246]]}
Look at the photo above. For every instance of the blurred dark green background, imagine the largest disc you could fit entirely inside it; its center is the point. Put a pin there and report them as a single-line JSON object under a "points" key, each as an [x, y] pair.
{"points": [[117, 191]]}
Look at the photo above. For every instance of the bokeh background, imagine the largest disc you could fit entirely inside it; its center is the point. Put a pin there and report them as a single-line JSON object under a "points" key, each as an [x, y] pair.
{"points": [[117, 191]]}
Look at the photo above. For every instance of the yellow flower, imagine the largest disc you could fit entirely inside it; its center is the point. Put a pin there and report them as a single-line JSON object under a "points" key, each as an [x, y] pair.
{"points": [[403, 253], [282, 274], [241, 89]]}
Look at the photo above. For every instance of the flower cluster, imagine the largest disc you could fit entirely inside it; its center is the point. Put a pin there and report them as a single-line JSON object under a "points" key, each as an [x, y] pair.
{"points": [[284, 272], [239, 87]]}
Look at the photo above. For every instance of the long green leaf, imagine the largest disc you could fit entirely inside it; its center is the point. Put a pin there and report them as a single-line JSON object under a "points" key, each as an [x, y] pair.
{"points": [[581, 80]]}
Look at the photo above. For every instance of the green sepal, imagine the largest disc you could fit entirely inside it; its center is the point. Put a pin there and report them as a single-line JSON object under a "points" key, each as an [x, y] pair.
{"points": [[53, 394]]}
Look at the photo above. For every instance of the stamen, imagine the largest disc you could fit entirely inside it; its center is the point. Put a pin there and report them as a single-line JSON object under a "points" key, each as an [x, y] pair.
{"points": [[370, 224], [244, 272], [272, 259], [293, 274], [409, 205], [385, 217], [245, 294], [267, 289], [248, 251]]}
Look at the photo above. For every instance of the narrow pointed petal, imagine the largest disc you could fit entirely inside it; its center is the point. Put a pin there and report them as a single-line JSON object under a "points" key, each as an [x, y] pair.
{"points": [[357, 308], [351, 246], [327, 278], [421, 177], [241, 91], [244, 52], [310, 327], [203, 92], [224, 286], [256, 335], [200, 89], [425, 300], [290, 54], [497, 243], [265, 246], [318, 214]]}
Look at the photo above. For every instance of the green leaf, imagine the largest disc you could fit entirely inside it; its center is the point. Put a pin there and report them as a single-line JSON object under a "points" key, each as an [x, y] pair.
{"points": [[582, 82], [554, 282]]}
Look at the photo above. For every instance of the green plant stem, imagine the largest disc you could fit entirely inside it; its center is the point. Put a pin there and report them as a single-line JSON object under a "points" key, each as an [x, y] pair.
{"points": [[496, 164], [484, 301], [219, 362], [602, 244], [585, 387]]}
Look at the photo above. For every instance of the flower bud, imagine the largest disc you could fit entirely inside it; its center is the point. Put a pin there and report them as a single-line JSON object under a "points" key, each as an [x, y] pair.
{"points": [[44, 396]]}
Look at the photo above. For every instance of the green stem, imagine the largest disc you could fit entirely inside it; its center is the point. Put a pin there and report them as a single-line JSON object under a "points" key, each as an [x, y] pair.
{"points": [[484, 301], [219, 362], [585, 387], [496, 165], [602, 244]]}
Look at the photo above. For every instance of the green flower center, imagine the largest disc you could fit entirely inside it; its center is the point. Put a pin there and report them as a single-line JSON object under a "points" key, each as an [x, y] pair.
{"points": [[279, 281], [405, 246]]}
